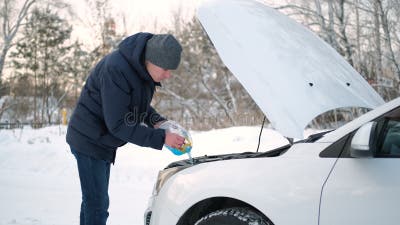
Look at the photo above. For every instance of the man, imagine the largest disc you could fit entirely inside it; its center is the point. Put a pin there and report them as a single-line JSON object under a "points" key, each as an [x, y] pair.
{"points": [[113, 107]]}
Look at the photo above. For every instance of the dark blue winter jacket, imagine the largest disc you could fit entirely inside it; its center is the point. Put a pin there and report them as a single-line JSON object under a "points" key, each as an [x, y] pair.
{"points": [[114, 104]]}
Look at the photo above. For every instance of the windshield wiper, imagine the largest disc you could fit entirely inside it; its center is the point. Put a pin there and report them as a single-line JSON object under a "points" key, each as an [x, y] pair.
{"points": [[315, 137]]}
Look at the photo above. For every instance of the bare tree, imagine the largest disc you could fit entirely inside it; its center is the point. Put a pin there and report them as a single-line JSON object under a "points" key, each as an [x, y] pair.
{"points": [[340, 14], [386, 30], [11, 19], [217, 98], [203, 89], [331, 30], [377, 39], [358, 33], [103, 25]]}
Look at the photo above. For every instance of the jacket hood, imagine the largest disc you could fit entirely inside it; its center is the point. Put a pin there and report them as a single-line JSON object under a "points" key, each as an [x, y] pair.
{"points": [[291, 73], [132, 48]]}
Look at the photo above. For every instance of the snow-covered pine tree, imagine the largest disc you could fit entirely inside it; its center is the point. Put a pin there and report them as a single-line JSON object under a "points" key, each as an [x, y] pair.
{"points": [[79, 64], [40, 55]]}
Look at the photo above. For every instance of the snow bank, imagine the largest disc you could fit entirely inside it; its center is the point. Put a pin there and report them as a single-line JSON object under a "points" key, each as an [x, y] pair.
{"points": [[39, 183]]}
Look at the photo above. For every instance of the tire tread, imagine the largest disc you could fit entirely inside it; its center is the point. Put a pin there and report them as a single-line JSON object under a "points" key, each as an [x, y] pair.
{"points": [[243, 214]]}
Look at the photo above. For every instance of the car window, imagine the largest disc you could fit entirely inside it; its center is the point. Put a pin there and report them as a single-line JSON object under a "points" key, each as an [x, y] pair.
{"points": [[388, 144], [335, 149]]}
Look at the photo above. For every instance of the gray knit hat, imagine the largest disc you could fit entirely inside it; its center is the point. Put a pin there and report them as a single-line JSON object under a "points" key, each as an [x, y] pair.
{"points": [[164, 51]]}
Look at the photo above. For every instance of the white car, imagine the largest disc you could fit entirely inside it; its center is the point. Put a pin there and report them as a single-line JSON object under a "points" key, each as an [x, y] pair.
{"points": [[346, 176]]}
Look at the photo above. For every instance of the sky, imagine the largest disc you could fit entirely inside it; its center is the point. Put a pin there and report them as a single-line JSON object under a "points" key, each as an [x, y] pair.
{"points": [[139, 15]]}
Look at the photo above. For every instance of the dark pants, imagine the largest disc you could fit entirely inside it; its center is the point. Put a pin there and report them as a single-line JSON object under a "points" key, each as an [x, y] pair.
{"points": [[94, 175]]}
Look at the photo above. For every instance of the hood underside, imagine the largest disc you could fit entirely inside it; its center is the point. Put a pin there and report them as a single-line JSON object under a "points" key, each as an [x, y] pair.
{"points": [[291, 74]]}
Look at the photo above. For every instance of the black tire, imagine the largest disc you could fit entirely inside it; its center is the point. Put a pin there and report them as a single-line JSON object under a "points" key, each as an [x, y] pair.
{"points": [[233, 216]]}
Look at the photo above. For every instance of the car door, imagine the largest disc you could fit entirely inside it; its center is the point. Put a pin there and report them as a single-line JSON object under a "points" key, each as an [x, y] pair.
{"points": [[366, 190]]}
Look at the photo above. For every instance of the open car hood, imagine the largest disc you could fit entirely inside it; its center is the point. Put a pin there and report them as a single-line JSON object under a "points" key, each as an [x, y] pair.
{"points": [[291, 74]]}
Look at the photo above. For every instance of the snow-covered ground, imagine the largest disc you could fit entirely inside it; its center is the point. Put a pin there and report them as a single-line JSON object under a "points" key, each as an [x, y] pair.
{"points": [[39, 182]]}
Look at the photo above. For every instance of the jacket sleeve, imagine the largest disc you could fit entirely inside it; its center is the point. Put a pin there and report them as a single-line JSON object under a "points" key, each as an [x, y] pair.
{"points": [[153, 117], [121, 121]]}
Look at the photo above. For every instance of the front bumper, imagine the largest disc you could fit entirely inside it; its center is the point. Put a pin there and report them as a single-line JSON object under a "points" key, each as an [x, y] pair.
{"points": [[148, 212], [147, 217], [158, 213]]}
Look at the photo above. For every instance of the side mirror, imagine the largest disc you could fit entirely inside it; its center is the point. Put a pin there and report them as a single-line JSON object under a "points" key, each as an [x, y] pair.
{"points": [[361, 143]]}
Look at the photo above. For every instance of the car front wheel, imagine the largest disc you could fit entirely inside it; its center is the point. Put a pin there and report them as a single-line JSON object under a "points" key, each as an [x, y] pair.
{"points": [[233, 216]]}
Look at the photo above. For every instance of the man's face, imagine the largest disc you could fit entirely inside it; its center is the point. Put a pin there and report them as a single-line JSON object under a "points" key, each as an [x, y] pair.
{"points": [[157, 73]]}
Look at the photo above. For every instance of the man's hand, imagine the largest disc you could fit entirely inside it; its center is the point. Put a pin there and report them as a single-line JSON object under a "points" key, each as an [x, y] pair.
{"points": [[174, 140]]}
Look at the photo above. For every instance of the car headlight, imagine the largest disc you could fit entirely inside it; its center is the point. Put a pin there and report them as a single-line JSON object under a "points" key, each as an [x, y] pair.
{"points": [[164, 175]]}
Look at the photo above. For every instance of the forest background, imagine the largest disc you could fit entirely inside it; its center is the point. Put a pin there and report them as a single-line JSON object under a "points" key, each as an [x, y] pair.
{"points": [[47, 49]]}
